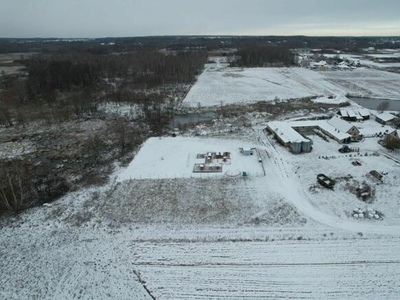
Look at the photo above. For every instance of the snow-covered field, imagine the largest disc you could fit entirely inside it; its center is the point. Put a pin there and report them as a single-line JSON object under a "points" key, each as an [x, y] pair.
{"points": [[223, 85], [175, 157], [366, 83], [214, 238], [158, 231]]}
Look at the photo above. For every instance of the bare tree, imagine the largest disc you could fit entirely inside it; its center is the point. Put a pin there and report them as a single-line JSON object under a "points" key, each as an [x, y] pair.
{"points": [[14, 186], [383, 106], [392, 142]]}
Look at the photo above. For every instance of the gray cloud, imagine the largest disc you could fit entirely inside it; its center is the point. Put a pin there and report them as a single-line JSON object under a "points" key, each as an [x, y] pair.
{"points": [[99, 18]]}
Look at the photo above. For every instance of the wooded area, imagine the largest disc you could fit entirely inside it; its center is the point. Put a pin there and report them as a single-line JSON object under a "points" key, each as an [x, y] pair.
{"points": [[68, 88], [264, 57]]}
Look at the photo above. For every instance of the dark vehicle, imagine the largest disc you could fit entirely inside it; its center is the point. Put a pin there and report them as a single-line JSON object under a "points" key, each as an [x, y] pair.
{"points": [[346, 149]]}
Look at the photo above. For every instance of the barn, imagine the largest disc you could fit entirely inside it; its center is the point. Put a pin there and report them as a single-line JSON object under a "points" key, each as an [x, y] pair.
{"points": [[289, 137], [385, 118]]}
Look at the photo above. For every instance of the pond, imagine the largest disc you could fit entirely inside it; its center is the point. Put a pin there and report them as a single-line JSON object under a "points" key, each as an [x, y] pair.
{"points": [[371, 103], [192, 118]]}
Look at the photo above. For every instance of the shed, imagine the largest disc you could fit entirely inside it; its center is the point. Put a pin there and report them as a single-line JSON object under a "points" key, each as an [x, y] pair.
{"points": [[385, 118], [343, 113], [364, 113], [355, 115], [247, 151]]}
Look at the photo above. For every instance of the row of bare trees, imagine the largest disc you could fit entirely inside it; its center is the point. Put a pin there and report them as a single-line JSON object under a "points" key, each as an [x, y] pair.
{"points": [[23, 183], [64, 72]]}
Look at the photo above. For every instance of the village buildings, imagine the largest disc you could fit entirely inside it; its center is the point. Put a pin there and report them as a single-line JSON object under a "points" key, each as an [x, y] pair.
{"points": [[293, 134]]}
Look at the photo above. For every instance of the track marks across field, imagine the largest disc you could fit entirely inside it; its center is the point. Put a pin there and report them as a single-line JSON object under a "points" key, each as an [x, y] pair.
{"points": [[334, 269]]}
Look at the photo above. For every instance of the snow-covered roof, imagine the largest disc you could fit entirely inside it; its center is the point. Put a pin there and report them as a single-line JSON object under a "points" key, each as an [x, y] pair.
{"points": [[340, 135], [340, 124], [364, 112], [385, 116], [395, 133], [343, 113], [286, 133], [355, 113], [351, 113], [323, 125]]}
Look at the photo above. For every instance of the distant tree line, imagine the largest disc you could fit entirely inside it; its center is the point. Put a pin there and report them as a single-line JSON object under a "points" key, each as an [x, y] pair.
{"points": [[103, 46], [61, 86], [264, 57], [143, 69]]}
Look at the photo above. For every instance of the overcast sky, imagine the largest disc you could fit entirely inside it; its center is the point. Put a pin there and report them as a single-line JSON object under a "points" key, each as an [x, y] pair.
{"points": [[101, 18]]}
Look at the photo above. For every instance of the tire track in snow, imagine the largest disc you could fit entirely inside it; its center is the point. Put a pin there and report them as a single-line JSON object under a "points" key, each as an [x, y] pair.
{"points": [[293, 192]]}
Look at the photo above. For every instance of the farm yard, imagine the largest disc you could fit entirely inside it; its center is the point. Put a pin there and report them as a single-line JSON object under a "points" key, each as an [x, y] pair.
{"points": [[233, 215]]}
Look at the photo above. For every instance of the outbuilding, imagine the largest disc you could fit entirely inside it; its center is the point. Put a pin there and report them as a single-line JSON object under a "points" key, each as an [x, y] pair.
{"points": [[247, 151], [289, 137], [385, 118]]}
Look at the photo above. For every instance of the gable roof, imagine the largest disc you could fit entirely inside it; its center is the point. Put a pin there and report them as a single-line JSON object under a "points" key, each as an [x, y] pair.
{"points": [[286, 133], [322, 125], [395, 133], [340, 124], [364, 112], [385, 116]]}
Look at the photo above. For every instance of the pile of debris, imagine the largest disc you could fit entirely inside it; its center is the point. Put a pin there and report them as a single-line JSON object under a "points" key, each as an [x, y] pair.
{"points": [[364, 192], [367, 213]]}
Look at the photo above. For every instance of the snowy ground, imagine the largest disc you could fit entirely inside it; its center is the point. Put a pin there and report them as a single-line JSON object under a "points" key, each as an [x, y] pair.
{"points": [[175, 157], [366, 83], [7, 63], [221, 85], [213, 238], [156, 233]]}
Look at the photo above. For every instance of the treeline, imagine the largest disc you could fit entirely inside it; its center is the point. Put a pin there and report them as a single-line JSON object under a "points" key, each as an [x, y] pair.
{"points": [[264, 57], [142, 69], [184, 43], [61, 86]]}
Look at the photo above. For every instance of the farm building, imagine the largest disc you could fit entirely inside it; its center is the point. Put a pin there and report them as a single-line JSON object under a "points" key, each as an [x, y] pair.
{"points": [[385, 118], [345, 127], [324, 127], [288, 133], [354, 115], [289, 137], [365, 114]]}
